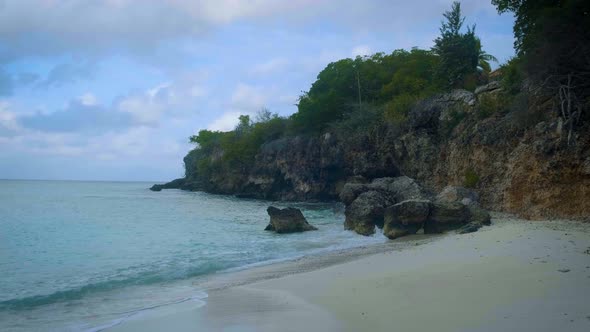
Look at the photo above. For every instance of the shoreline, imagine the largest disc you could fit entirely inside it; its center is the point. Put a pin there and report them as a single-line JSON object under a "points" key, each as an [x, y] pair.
{"points": [[513, 275]]}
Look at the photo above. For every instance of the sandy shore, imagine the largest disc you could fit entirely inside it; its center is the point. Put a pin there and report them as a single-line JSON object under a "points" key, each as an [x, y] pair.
{"points": [[513, 276]]}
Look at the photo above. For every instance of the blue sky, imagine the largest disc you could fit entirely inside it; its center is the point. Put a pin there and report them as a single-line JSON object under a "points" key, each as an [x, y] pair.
{"points": [[112, 89]]}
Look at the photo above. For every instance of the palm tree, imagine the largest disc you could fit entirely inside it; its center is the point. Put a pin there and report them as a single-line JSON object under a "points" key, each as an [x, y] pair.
{"points": [[483, 58]]}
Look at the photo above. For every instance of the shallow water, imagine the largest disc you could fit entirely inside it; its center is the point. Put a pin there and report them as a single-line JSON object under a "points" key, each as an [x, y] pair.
{"points": [[82, 255]]}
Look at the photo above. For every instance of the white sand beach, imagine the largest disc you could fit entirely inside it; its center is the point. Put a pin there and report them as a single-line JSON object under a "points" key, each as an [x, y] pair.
{"points": [[515, 275]]}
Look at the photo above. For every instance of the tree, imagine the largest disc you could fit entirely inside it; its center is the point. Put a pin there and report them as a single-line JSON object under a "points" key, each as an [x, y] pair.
{"points": [[484, 59], [460, 53], [552, 39]]}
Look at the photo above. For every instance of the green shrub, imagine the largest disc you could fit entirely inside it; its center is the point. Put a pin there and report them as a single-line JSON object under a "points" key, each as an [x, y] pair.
{"points": [[471, 179], [490, 104], [456, 114], [512, 76], [396, 110], [357, 123]]}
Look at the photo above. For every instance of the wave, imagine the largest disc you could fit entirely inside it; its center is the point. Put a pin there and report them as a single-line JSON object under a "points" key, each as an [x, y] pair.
{"points": [[130, 314], [143, 279]]}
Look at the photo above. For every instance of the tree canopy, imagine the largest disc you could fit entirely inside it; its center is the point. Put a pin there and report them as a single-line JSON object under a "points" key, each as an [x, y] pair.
{"points": [[461, 53]]}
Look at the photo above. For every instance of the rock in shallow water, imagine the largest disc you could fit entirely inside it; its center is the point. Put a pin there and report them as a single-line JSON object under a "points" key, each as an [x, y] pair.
{"points": [[288, 220], [366, 212]]}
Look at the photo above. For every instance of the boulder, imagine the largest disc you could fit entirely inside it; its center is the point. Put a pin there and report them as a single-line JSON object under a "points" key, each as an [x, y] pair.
{"points": [[366, 202], [451, 194], [288, 220], [399, 189], [366, 212], [459, 96], [492, 86], [406, 217], [351, 191], [479, 215], [446, 216], [470, 228]]}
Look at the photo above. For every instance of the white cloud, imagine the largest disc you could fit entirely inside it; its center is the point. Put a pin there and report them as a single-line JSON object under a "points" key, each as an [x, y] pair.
{"points": [[248, 98], [8, 120], [226, 122], [270, 66], [88, 99], [361, 50], [51, 27], [168, 98]]}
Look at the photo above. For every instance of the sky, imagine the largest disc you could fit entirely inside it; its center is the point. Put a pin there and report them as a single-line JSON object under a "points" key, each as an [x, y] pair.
{"points": [[112, 89]]}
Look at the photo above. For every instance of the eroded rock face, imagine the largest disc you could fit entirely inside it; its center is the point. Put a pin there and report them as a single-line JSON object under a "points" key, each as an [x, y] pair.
{"points": [[446, 216], [288, 220], [366, 203], [406, 217], [463, 195], [479, 216], [366, 212], [524, 168]]}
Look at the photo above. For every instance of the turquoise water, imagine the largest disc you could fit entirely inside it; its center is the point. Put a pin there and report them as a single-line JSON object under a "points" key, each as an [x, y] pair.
{"points": [[81, 255]]}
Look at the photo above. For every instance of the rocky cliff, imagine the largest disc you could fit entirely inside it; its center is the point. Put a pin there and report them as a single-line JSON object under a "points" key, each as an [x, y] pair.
{"points": [[519, 161]]}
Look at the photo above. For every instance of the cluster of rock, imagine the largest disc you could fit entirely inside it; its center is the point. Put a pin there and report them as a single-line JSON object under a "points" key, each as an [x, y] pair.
{"points": [[519, 153], [288, 220], [402, 207]]}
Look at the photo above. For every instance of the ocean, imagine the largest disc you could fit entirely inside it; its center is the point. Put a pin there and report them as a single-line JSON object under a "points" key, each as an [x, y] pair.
{"points": [[83, 256]]}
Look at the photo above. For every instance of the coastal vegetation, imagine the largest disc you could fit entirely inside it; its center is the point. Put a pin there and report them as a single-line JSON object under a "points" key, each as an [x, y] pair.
{"points": [[358, 94], [440, 116]]}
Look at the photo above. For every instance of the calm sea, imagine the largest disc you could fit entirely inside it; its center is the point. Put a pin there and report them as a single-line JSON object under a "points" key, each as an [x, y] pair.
{"points": [[80, 256]]}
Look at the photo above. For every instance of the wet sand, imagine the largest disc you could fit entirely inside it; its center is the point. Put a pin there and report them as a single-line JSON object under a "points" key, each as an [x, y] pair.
{"points": [[515, 275]]}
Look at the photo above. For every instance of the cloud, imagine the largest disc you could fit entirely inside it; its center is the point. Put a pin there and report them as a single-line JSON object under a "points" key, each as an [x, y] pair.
{"points": [[361, 50], [8, 120], [88, 99], [50, 27], [248, 98], [6, 83], [226, 122], [67, 73], [173, 99], [270, 66], [78, 116]]}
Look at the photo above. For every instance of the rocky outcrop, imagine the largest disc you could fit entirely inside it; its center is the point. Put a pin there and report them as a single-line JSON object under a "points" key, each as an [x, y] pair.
{"points": [[517, 161], [446, 216], [181, 183], [406, 217], [452, 194], [365, 212], [288, 220], [366, 202], [402, 207], [174, 184]]}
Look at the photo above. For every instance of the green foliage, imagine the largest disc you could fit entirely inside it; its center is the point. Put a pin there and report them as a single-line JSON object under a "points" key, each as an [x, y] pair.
{"points": [[512, 76], [455, 116], [353, 97], [471, 179], [396, 110], [461, 54], [553, 41], [357, 123], [347, 85], [490, 104], [523, 114], [236, 149]]}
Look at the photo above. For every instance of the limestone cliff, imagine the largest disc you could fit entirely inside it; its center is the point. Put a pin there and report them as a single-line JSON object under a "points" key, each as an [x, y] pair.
{"points": [[517, 161]]}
